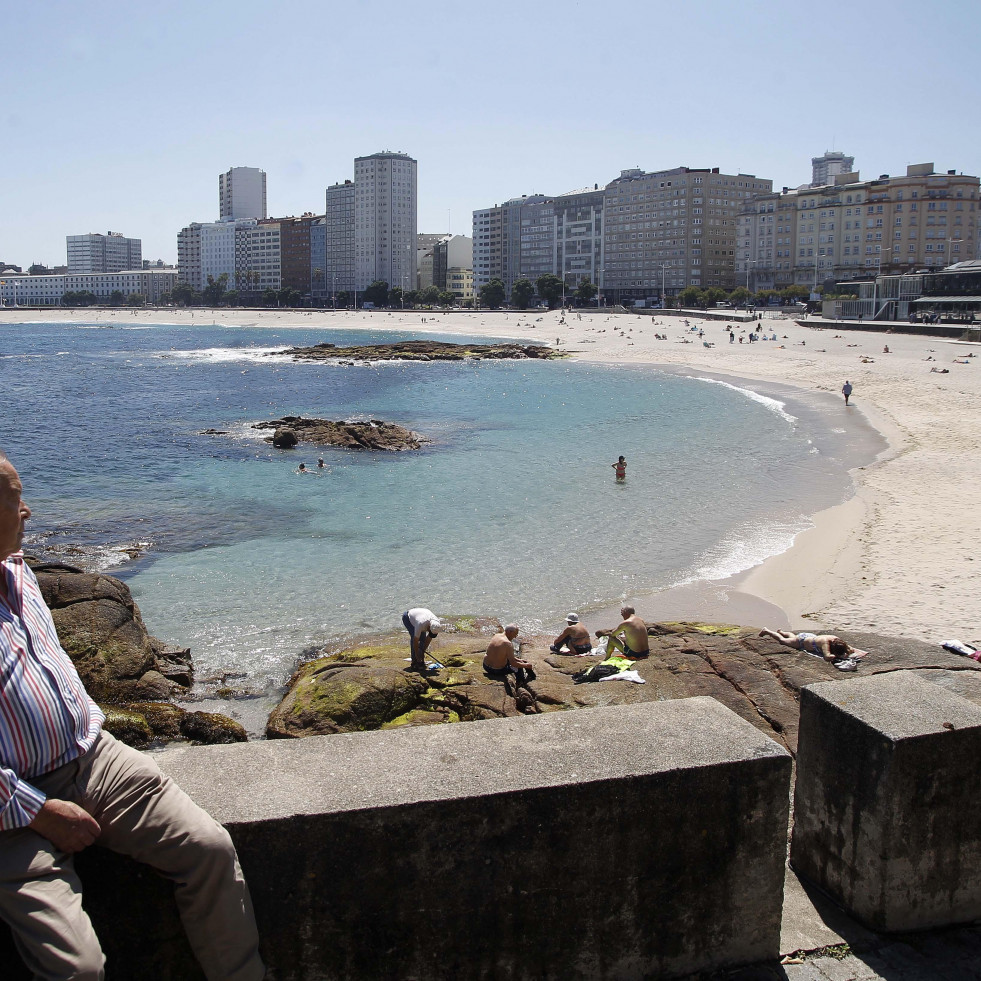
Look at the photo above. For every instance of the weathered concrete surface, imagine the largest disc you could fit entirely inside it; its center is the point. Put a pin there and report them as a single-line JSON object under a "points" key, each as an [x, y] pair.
{"points": [[887, 799], [645, 841]]}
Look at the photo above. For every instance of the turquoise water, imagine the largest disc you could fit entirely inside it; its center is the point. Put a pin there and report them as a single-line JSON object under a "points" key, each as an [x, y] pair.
{"points": [[511, 510]]}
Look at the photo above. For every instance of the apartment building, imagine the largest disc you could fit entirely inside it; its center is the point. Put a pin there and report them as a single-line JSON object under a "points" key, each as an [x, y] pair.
{"points": [[95, 253], [851, 228], [828, 166], [579, 253], [295, 249], [385, 219], [48, 290], [242, 194], [209, 249], [514, 240], [452, 270], [319, 280], [258, 255], [674, 228], [425, 242], [339, 215]]}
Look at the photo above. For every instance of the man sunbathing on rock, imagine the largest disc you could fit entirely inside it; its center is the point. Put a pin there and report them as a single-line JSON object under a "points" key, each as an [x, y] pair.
{"points": [[575, 638], [500, 661], [828, 646], [629, 637]]}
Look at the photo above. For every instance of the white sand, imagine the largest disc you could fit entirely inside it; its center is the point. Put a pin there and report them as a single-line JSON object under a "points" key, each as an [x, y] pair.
{"points": [[896, 559]]}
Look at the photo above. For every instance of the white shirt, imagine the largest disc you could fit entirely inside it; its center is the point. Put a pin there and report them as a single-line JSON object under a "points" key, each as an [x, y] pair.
{"points": [[419, 617]]}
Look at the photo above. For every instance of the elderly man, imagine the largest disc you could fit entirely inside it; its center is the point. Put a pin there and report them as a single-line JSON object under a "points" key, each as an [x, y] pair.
{"points": [[628, 637], [501, 661], [66, 784]]}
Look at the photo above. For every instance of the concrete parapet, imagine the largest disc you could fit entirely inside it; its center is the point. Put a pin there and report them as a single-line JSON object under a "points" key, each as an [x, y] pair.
{"points": [[887, 800], [629, 842]]}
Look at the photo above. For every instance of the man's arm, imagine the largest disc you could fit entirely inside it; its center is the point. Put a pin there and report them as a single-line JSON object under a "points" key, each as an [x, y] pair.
{"points": [[613, 632]]}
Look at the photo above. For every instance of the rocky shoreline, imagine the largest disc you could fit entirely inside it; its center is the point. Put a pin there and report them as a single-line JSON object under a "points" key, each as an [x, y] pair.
{"points": [[132, 675], [364, 685], [420, 351]]}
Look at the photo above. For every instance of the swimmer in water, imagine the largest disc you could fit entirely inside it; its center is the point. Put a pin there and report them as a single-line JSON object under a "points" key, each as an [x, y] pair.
{"points": [[621, 468]]}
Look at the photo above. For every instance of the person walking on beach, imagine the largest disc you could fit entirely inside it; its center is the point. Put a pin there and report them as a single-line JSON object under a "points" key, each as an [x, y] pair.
{"points": [[423, 625], [575, 638], [846, 390], [621, 469], [628, 637], [67, 784]]}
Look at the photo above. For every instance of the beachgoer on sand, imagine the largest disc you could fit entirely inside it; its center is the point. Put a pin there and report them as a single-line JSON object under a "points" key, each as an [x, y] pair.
{"points": [[846, 390], [629, 636], [575, 638]]}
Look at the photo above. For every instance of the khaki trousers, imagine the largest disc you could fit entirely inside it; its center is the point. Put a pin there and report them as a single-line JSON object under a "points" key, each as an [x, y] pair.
{"points": [[143, 814]]}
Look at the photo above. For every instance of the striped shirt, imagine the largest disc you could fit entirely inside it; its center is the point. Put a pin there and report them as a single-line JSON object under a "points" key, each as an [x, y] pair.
{"points": [[46, 717]]}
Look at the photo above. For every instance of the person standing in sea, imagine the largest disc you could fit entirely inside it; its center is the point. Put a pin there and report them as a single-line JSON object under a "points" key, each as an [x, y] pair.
{"points": [[621, 469]]}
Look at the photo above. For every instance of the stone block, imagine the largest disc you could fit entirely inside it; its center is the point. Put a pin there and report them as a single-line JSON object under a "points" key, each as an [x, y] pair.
{"points": [[626, 842], [887, 799]]}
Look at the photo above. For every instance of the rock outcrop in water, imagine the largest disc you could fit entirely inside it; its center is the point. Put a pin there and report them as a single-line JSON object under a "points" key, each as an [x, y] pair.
{"points": [[124, 669], [366, 686], [420, 351], [372, 435]]}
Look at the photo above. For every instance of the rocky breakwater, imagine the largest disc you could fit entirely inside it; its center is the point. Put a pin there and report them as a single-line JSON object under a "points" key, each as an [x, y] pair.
{"points": [[372, 435], [129, 673], [365, 686], [421, 351]]}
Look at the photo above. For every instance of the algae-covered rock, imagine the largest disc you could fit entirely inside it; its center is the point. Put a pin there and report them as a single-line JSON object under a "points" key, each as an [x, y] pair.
{"points": [[212, 728], [328, 696], [127, 726], [163, 718]]}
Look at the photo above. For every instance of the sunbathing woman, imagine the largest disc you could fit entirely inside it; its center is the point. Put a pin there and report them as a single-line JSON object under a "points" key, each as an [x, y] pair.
{"points": [[828, 646]]}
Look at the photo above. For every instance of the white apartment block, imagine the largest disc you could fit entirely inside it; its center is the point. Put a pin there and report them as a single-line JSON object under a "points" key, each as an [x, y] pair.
{"points": [[242, 194], [385, 220], [828, 166], [19, 290], [247, 250], [851, 228], [258, 256], [339, 246], [95, 253]]}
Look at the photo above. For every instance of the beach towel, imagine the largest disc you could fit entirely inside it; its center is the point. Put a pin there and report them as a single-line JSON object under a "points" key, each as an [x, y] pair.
{"points": [[966, 650]]}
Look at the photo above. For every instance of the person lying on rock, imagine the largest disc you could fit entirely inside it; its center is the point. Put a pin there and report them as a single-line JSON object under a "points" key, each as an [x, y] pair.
{"points": [[629, 637], [66, 784], [423, 625], [828, 646], [575, 638], [500, 661]]}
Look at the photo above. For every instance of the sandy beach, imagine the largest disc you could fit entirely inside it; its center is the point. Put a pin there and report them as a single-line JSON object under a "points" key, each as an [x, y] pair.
{"points": [[898, 558]]}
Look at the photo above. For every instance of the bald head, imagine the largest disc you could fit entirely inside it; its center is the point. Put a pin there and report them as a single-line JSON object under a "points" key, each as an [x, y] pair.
{"points": [[511, 631], [13, 511]]}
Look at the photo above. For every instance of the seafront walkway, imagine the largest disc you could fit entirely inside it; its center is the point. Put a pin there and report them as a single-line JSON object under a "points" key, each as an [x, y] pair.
{"points": [[820, 942]]}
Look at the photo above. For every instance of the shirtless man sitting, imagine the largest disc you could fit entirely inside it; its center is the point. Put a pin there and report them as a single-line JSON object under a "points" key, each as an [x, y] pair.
{"points": [[575, 638], [630, 637], [500, 661], [828, 646]]}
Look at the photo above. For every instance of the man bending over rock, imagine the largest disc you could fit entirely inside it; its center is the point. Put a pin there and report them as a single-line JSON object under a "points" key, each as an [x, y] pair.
{"points": [[423, 625], [630, 637], [66, 784]]}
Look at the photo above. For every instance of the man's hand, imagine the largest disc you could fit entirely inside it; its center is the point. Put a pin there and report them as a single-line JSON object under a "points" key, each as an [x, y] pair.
{"points": [[66, 825]]}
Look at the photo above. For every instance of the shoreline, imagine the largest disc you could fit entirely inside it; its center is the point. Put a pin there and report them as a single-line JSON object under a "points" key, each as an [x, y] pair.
{"points": [[895, 558]]}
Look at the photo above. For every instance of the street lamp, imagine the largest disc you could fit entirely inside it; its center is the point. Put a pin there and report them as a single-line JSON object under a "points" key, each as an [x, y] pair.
{"points": [[749, 262], [663, 291], [951, 242]]}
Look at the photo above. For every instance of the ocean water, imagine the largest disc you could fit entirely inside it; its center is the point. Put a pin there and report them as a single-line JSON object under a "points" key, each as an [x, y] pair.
{"points": [[511, 510]]}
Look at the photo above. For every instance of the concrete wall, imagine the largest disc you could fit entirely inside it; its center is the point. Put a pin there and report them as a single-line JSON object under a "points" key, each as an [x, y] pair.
{"points": [[886, 800], [626, 842]]}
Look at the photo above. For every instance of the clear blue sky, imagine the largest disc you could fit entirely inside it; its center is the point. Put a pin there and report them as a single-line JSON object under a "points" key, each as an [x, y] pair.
{"points": [[121, 116]]}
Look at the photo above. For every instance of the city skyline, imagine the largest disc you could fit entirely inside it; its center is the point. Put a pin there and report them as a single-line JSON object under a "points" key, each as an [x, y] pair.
{"points": [[520, 99]]}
